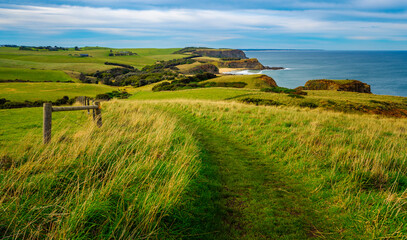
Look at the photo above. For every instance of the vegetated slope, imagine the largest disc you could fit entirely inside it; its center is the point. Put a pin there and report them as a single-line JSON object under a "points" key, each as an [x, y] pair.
{"points": [[70, 60], [114, 182], [264, 172], [253, 81]]}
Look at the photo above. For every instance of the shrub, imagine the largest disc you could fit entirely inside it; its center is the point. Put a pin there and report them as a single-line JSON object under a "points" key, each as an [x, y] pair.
{"points": [[231, 84], [295, 95], [259, 101], [278, 90], [308, 104]]}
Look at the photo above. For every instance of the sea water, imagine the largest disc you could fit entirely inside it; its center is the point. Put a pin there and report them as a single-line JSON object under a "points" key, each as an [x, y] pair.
{"points": [[384, 71]]}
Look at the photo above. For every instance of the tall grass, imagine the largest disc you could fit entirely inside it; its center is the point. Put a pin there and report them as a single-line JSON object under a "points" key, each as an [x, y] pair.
{"points": [[354, 167], [114, 182]]}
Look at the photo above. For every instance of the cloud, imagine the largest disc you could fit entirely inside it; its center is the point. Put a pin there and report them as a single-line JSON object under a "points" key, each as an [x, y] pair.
{"points": [[207, 25]]}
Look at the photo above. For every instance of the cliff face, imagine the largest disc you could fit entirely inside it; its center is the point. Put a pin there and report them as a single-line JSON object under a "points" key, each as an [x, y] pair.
{"points": [[251, 63], [339, 85], [221, 53]]}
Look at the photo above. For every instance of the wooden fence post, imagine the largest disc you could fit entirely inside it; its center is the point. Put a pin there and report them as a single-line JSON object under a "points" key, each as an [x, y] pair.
{"points": [[48, 109], [47, 122], [98, 114]]}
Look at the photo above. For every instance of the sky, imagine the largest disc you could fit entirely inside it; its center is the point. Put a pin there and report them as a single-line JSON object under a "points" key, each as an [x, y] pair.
{"points": [[256, 24]]}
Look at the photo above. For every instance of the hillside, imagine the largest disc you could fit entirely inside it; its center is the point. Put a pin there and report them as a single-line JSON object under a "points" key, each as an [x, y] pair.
{"points": [[201, 161]]}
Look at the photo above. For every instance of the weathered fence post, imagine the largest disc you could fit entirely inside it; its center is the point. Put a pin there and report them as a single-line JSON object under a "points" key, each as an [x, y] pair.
{"points": [[48, 109], [98, 114], [47, 122], [87, 103]]}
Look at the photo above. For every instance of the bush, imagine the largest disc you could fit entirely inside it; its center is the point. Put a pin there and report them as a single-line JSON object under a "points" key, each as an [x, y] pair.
{"points": [[103, 96], [295, 95], [308, 104], [187, 82], [259, 101], [278, 90], [7, 104], [231, 84]]}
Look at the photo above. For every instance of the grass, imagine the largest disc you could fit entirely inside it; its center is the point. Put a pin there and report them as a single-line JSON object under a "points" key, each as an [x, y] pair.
{"points": [[184, 68], [33, 75], [201, 93], [18, 123], [351, 167], [61, 60], [199, 164], [118, 181], [49, 91], [343, 102], [245, 171], [253, 81]]}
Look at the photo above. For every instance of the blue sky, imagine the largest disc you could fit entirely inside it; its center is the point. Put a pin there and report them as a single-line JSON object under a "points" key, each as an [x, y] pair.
{"points": [[298, 24]]}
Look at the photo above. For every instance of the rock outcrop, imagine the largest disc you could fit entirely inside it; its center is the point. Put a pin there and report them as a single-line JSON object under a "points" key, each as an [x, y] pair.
{"points": [[251, 63], [221, 53], [338, 85]]}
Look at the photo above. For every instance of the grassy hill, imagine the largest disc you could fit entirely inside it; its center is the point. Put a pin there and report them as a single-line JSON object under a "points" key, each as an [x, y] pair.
{"points": [[206, 163]]}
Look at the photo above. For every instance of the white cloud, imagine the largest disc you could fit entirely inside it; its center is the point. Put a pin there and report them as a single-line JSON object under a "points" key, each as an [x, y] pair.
{"points": [[212, 25]]}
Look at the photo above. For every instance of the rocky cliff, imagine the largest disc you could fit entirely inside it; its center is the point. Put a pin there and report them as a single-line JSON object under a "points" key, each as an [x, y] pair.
{"points": [[221, 53], [338, 85], [251, 63]]}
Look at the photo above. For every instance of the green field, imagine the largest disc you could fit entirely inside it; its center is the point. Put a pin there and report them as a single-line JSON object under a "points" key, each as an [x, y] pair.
{"points": [[25, 124], [33, 75], [61, 60], [49, 91]]}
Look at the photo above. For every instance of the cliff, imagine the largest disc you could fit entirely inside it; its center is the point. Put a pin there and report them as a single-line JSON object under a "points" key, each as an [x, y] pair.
{"points": [[251, 63], [221, 53], [339, 85]]}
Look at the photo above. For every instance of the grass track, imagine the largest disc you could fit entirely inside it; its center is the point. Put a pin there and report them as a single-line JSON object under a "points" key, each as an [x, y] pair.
{"points": [[255, 200]]}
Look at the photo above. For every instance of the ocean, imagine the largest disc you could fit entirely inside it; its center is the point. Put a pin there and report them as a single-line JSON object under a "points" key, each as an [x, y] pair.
{"points": [[384, 71]]}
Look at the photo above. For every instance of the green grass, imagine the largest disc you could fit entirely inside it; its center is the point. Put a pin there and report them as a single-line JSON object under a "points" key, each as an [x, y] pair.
{"points": [[199, 164], [60, 60], [117, 181], [49, 91], [33, 75], [253, 81], [288, 173], [17, 125], [342, 101], [201, 93]]}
